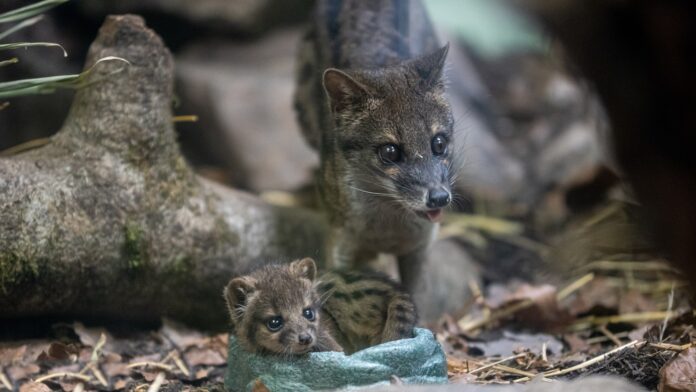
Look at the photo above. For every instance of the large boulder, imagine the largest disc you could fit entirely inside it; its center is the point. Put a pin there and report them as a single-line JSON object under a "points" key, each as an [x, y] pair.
{"points": [[242, 94]]}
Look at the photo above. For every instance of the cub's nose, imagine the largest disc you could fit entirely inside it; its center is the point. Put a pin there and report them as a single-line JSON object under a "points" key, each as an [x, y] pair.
{"points": [[438, 198], [305, 339]]}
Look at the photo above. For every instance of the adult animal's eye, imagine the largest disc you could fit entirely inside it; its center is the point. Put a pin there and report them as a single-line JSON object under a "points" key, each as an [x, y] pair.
{"points": [[439, 144], [389, 153], [274, 323], [308, 313]]}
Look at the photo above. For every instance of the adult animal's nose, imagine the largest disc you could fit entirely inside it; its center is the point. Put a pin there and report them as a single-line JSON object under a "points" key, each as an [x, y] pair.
{"points": [[438, 198]]}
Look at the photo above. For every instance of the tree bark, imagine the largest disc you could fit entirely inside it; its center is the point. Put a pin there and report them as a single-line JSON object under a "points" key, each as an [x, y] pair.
{"points": [[108, 221]]}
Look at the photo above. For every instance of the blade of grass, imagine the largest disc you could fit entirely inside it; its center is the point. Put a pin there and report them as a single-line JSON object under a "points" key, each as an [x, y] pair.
{"points": [[49, 84], [29, 10], [20, 26], [19, 45], [13, 60]]}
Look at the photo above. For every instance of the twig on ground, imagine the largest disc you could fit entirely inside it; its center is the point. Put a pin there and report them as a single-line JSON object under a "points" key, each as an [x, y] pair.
{"points": [[589, 362], [158, 365], [603, 329], [179, 363], [591, 321], [4, 381], [155, 386], [575, 286], [63, 374], [604, 338], [671, 347], [493, 364], [468, 326], [670, 305], [611, 265], [543, 352], [512, 370]]}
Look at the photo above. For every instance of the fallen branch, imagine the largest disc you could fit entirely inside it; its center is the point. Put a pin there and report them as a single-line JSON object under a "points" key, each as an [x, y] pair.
{"points": [[107, 220]]}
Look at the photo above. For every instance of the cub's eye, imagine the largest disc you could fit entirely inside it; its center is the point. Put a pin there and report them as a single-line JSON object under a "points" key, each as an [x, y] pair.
{"points": [[439, 144], [274, 323], [308, 313], [389, 153]]}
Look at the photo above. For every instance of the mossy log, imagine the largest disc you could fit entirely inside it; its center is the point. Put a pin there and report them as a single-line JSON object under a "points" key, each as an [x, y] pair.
{"points": [[108, 221]]}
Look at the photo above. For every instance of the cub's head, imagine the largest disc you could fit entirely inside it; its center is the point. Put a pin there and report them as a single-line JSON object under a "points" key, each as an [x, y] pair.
{"points": [[393, 127], [275, 309]]}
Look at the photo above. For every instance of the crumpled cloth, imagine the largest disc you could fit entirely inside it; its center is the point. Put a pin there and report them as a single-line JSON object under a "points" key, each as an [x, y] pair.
{"points": [[419, 360]]}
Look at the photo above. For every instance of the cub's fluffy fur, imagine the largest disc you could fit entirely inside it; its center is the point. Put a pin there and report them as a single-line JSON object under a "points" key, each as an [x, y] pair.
{"points": [[283, 309]]}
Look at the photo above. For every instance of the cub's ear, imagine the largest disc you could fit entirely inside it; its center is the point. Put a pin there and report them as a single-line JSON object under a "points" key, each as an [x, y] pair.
{"points": [[429, 67], [237, 293], [305, 268], [344, 92]]}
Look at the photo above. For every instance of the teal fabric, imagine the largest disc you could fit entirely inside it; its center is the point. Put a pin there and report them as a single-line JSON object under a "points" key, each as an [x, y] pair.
{"points": [[419, 360]]}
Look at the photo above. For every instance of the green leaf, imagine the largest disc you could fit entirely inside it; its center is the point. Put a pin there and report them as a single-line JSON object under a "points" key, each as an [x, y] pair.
{"points": [[20, 26], [18, 45], [49, 84], [29, 10]]}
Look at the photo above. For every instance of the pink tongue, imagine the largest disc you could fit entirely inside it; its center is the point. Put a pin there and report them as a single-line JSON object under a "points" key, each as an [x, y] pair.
{"points": [[434, 215]]}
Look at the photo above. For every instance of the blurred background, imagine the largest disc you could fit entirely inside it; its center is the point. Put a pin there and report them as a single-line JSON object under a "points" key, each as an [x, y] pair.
{"points": [[529, 129], [543, 235]]}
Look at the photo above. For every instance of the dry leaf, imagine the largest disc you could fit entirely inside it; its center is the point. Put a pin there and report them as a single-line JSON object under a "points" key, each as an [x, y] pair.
{"points": [[19, 372], [34, 387], [259, 386], [679, 374], [59, 352], [544, 314], [575, 343], [120, 384], [202, 373], [182, 336], [12, 355], [633, 301], [67, 385], [203, 356], [115, 369], [90, 336], [596, 294]]}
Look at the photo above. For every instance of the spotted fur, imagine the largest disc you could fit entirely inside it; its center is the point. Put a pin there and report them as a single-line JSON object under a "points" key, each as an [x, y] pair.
{"points": [[366, 308], [369, 74], [353, 310]]}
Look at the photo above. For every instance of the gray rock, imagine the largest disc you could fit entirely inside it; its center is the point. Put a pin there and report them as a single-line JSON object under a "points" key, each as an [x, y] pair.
{"points": [[239, 15], [449, 270], [242, 94]]}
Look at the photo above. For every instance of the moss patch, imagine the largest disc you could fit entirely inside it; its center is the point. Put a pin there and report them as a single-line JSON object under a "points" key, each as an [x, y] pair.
{"points": [[15, 270], [134, 247]]}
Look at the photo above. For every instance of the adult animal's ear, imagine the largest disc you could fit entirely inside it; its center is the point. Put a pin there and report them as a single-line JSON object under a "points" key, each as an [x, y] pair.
{"points": [[237, 293], [344, 92], [305, 268], [430, 67]]}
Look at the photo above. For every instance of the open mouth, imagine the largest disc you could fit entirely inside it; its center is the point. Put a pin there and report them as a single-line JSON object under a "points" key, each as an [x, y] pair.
{"points": [[432, 215]]}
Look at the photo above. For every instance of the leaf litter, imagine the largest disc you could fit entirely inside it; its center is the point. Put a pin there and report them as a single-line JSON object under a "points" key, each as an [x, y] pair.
{"points": [[175, 357]]}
